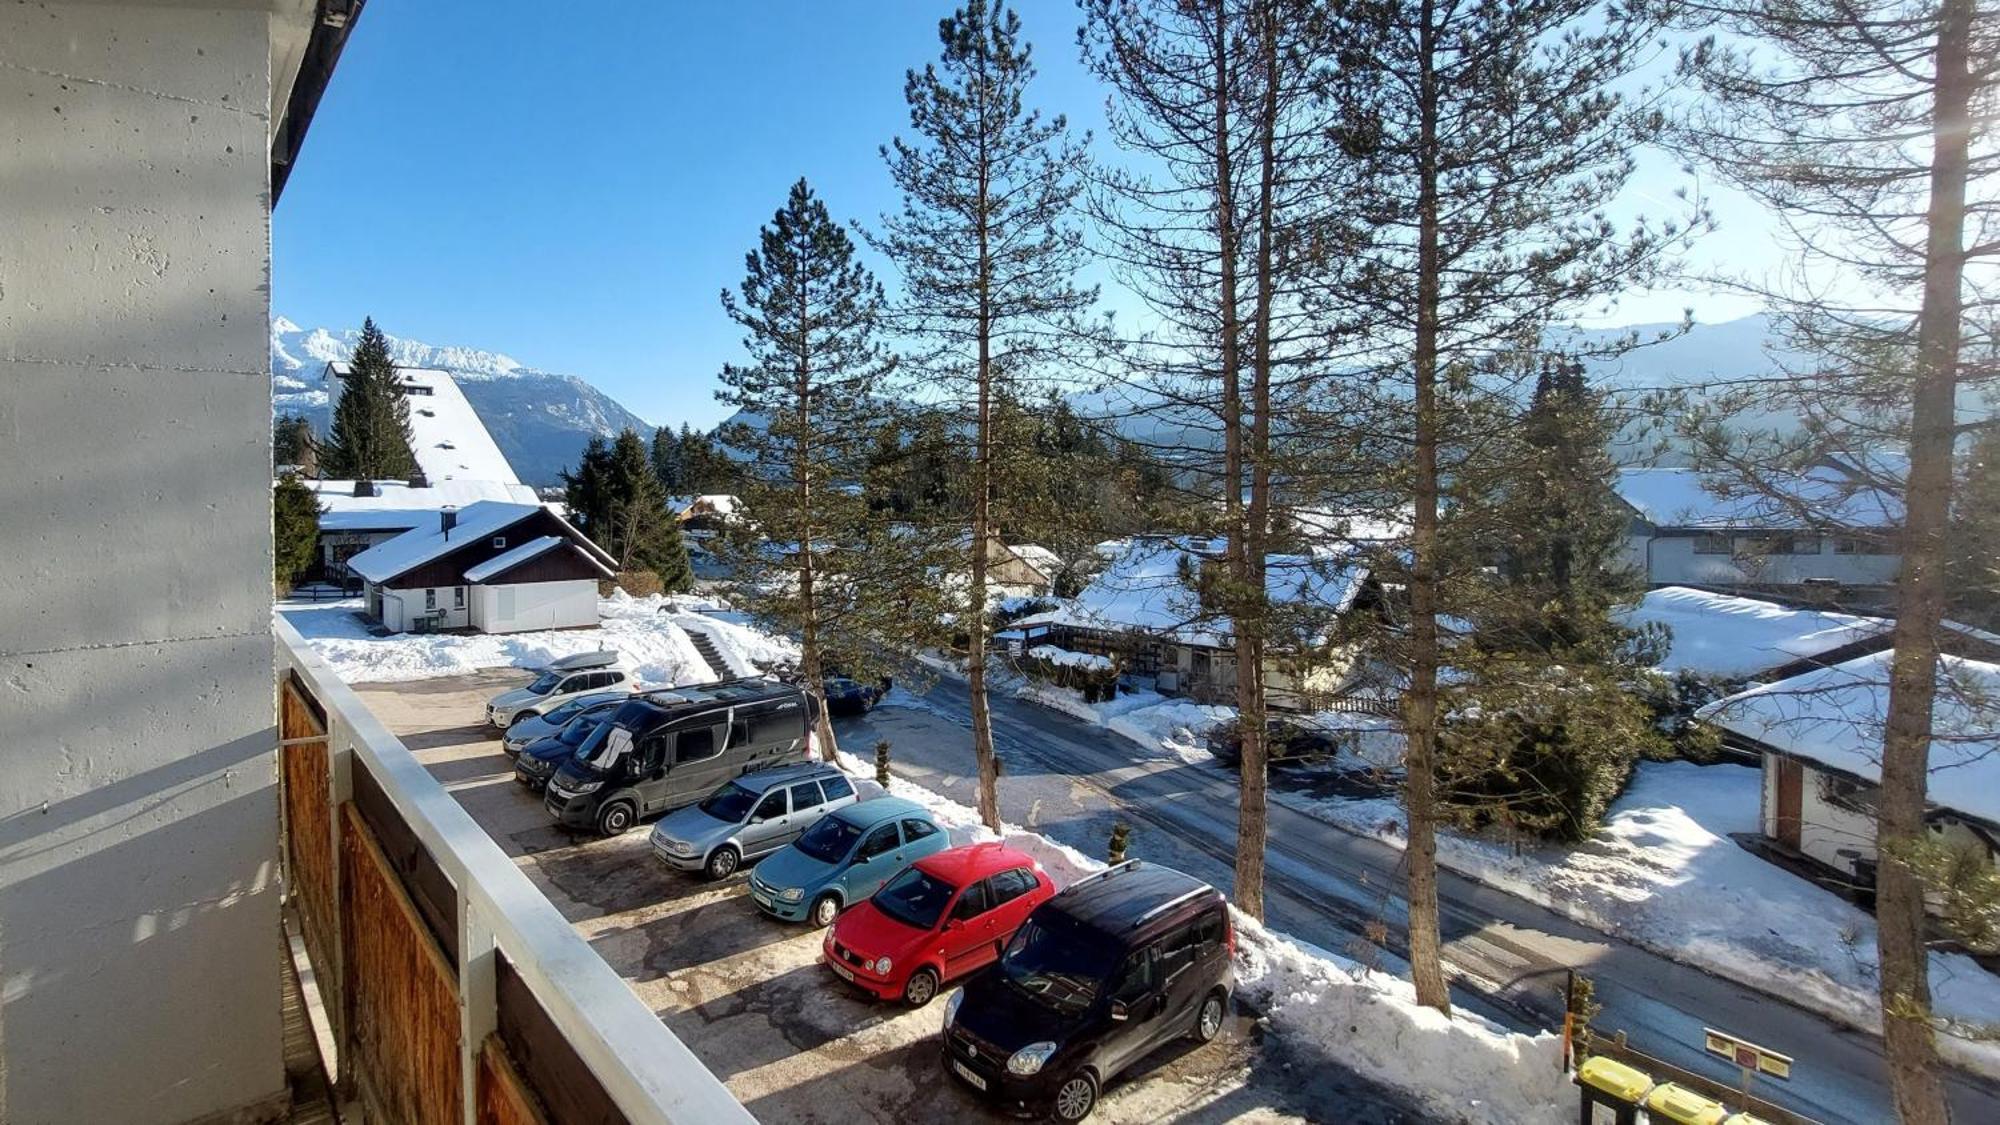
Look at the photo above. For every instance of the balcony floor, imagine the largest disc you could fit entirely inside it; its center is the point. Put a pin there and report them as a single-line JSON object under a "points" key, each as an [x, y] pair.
{"points": [[312, 1096]]}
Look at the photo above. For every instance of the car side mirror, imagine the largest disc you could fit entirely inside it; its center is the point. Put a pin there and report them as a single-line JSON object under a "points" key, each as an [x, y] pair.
{"points": [[1119, 1012]]}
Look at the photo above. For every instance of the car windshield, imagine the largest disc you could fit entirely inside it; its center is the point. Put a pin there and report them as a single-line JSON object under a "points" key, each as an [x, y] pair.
{"points": [[557, 716], [829, 840], [1055, 965], [915, 898], [730, 803], [545, 683], [576, 732], [602, 748]]}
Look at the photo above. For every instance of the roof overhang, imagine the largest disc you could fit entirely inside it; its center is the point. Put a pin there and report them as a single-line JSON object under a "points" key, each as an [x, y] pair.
{"points": [[307, 37]]}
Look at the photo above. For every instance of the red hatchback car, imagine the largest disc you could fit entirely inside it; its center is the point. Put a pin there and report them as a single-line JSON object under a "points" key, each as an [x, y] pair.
{"points": [[945, 916]]}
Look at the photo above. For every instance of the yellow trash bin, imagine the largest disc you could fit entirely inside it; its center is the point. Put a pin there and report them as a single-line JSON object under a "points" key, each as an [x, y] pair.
{"points": [[1668, 1102], [1610, 1091]]}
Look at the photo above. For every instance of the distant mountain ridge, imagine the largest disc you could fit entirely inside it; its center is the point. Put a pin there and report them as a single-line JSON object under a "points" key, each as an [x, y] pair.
{"points": [[540, 419]]}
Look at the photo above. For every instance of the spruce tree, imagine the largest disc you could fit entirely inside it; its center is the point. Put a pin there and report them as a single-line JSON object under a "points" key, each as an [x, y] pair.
{"points": [[666, 459], [988, 249], [292, 443], [295, 515], [370, 438], [808, 558], [586, 490]]}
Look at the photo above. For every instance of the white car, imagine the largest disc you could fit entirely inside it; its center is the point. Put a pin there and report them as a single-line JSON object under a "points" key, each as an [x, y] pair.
{"points": [[558, 683]]}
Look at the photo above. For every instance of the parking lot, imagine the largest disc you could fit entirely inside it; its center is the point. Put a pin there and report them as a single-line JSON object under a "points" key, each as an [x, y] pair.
{"points": [[749, 995]]}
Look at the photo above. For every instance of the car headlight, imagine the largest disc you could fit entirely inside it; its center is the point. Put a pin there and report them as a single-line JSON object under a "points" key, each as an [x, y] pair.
{"points": [[1029, 1059], [883, 964], [582, 787], [951, 1007], [791, 894]]}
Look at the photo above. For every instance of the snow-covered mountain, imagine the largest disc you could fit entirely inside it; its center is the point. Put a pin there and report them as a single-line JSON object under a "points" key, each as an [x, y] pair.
{"points": [[540, 419]]}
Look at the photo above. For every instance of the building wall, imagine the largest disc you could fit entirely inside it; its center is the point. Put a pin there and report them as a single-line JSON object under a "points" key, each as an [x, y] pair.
{"points": [[1827, 828], [534, 605], [139, 932], [1673, 561]]}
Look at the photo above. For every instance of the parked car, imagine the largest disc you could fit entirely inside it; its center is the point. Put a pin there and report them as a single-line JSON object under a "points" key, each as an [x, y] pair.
{"points": [[667, 749], [847, 696], [539, 760], [549, 723], [1113, 966], [945, 916], [750, 817], [843, 858], [556, 684], [1288, 740]]}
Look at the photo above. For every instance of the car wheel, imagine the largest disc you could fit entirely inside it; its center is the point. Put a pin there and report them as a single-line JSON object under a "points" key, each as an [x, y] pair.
{"points": [[825, 909], [1076, 1097], [722, 864], [614, 818], [1208, 1021], [921, 988]]}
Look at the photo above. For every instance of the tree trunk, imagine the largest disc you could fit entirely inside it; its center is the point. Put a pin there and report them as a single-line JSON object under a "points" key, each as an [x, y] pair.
{"points": [[812, 668], [1420, 703], [1907, 1035], [1252, 817], [982, 504]]}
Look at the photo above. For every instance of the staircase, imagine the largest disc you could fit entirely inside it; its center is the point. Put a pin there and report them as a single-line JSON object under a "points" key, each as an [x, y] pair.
{"points": [[704, 644]]}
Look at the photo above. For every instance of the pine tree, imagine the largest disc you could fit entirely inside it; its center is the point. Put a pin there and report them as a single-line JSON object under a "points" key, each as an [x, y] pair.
{"points": [[295, 515], [586, 490], [370, 439], [292, 443], [808, 559], [1974, 566], [1483, 144], [1866, 128], [640, 532], [666, 460], [988, 253]]}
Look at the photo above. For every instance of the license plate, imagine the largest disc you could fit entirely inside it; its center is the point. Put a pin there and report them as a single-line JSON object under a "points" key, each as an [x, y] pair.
{"points": [[762, 900], [969, 1074], [845, 972]]}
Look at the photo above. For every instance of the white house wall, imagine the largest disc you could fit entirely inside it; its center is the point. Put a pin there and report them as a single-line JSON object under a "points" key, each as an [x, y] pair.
{"points": [[518, 608], [1671, 560], [139, 930]]}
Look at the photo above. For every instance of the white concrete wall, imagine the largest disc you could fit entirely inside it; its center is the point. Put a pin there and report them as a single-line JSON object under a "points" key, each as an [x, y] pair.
{"points": [[139, 936], [534, 605], [1673, 560]]}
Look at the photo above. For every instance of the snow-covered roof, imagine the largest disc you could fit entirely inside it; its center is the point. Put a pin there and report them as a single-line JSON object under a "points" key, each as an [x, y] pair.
{"points": [[533, 548], [446, 435], [1681, 497], [1731, 637], [1141, 590], [720, 503], [337, 496], [412, 549], [1038, 556], [1834, 716]]}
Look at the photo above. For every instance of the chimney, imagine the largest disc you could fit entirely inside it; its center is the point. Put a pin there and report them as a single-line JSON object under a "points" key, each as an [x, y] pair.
{"points": [[365, 488], [447, 519]]}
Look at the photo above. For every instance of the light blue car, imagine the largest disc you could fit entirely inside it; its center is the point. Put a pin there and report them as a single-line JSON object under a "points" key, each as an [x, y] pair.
{"points": [[843, 858]]}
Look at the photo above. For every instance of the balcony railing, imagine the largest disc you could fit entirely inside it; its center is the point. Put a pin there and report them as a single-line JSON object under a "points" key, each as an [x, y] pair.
{"points": [[457, 993]]}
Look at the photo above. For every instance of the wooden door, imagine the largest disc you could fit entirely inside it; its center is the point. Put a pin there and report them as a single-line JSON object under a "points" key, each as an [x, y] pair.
{"points": [[1791, 781]]}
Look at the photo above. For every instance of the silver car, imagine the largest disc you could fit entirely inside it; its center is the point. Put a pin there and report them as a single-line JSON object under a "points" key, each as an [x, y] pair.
{"points": [[552, 721], [750, 817]]}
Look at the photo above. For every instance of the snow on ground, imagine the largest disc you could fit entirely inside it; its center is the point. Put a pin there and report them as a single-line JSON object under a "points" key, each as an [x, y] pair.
{"points": [[1663, 874], [1461, 1068], [654, 644]]}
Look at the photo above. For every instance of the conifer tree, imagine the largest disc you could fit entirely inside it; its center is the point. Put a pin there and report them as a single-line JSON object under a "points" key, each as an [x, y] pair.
{"points": [[666, 460], [292, 443], [641, 534], [1975, 535], [808, 558], [988, 252], [587, 490], [370, 438], [295, 515]]}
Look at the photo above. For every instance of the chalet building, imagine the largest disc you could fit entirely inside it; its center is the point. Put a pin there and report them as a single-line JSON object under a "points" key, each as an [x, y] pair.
{"points": [[1818, 735], [490, 567], [1837, 540]]}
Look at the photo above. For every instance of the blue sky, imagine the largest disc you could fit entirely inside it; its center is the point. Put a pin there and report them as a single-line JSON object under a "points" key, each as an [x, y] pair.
{"points": [[574, 184]]}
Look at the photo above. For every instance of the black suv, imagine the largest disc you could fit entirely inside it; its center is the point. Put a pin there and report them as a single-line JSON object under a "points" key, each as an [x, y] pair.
{"points": [[1112, 967]]}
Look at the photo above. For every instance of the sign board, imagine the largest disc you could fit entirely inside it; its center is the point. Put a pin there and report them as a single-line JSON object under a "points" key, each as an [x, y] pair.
{"points": [[1748, 1055]]}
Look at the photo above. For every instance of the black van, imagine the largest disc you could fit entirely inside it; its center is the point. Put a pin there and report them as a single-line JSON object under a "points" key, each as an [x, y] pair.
{"points": [[1113, 966], [671, 748]]}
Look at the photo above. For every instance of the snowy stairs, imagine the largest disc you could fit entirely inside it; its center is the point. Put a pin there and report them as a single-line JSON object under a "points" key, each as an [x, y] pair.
{"points": [[718, 665]]}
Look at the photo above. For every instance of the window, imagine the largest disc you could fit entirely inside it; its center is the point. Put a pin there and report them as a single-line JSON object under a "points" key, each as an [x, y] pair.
{"points": [[739, 733], [1711, 544], [1135, 977], [652, 754], [837, 788], [879, 842], [805, 795], [613, 679], [458, 597], [1208, 931], [782, 723], [972, 903], [1794, 545], [914, 830], [499, 542], [430, 599], [1861, 545], [1176, 953], [771, 807], [696, 746], [574, 683], [1010, 885]]}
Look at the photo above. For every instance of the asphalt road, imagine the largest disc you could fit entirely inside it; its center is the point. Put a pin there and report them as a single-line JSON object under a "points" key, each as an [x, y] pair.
{"points": [[1508, 957]]}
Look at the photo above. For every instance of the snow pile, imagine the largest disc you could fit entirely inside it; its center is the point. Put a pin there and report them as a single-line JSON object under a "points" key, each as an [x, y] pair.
{"points": [[747, 648], [653, 647], [1324, 1005], [1064, 658], [1148, 718]]}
